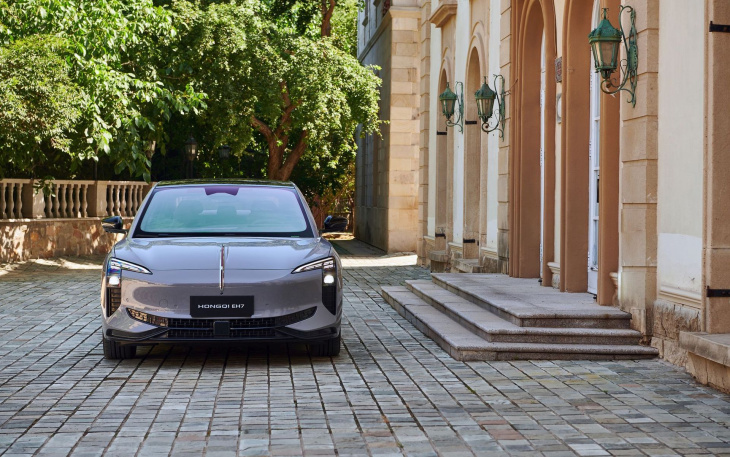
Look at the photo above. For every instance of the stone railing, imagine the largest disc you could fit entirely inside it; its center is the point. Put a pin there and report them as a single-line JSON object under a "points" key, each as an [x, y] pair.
{"points": [[19, 199]]}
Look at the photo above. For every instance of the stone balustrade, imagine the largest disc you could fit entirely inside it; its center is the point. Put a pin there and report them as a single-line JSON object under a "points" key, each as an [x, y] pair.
{"points": [[70, 199]]}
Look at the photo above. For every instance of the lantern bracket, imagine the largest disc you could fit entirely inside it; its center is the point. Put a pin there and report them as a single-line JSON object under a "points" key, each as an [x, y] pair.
{"points": [[500, 98], [458, 113], [628, 66]]}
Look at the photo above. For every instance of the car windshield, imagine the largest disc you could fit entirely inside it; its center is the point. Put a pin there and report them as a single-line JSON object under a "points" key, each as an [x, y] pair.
{"points": [[224, 210]]}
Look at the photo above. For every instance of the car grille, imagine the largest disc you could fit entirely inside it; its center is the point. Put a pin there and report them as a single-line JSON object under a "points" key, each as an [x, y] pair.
{"points": [[258, 327], [208, 333]]}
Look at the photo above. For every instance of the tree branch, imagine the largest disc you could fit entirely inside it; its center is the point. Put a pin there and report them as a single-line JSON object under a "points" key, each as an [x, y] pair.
{"points": [[276, 152], [293, 157], [263, 128], [328, 8], [289, 107]]}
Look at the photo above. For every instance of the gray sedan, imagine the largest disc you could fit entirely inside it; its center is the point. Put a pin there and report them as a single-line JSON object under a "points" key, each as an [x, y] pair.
{"points": [[221, 261]]}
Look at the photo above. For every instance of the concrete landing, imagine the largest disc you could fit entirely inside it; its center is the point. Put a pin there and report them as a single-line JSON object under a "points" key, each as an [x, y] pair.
{"points": [[494, 317]]}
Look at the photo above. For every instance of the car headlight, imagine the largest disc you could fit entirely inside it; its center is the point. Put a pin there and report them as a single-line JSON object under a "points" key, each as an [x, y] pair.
{"points": [[113, 275], [323, 264], [330, 276], [115, 266]]}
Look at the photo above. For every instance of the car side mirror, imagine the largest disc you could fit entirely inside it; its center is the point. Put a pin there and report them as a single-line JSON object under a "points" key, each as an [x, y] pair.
{"points": [[113, 224]]}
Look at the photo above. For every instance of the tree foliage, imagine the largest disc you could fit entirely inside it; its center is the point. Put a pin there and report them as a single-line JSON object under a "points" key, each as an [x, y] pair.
{"points": [[39, 102], [113, 58], [276, 80], [296, 95]]}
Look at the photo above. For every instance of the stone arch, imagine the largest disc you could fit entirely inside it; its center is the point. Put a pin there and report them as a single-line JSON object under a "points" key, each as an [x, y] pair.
{"points": [[575, 164], [535, 19]]}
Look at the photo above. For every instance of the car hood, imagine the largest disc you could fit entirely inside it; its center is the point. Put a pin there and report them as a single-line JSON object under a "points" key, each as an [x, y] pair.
{"points": [[204, 253]]}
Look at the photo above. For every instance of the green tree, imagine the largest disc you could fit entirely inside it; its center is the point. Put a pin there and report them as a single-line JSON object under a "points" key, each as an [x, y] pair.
{"points": [[39, 103], [115, 61], [300, 96]]}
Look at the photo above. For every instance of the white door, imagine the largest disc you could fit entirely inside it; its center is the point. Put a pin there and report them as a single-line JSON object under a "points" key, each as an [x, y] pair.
{"points": [[594, 171]]}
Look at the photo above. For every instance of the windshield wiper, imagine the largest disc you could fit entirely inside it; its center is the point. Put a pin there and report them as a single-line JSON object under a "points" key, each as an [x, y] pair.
{"points": [[154, 235]]}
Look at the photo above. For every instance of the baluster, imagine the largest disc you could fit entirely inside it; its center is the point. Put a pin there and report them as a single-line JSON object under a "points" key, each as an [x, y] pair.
{"points": [[123, 199], [109, 201], [140, 196], [77, 200], [48, 201], [135, 202], [70, 200], [11, 201], [130, 200], [19, 200], [3, 214], [56, 201], [117, 204], [62, 200], [84, 200]]}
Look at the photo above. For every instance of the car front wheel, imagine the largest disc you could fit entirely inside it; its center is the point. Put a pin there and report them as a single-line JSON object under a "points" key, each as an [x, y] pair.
{"points": [[115, 351], [329, 348]]}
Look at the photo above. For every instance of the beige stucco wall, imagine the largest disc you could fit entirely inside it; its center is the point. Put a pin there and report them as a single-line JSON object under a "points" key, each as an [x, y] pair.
{"points": [[681, 150]]}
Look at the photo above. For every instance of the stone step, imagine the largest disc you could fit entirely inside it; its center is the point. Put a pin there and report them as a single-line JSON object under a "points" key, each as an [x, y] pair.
{"points": [[526, 303], [463, 344], [468, 265], [493, 328]]}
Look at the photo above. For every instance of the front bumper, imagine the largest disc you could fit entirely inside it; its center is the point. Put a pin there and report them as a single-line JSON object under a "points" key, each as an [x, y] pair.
{"points": [[288, 308], [271, 335]]}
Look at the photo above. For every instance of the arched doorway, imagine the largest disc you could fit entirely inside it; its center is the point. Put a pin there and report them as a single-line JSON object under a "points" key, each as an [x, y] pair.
{"points": [[472, 160], [590, 165], [532, 183]]}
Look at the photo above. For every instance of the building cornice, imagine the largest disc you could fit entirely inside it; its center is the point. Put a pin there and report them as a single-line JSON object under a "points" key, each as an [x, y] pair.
{"points": [[393, 12], [443, 14]]}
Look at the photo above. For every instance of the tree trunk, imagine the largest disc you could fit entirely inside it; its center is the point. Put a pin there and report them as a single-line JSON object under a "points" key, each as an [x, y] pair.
{"points": [[328, 8]]}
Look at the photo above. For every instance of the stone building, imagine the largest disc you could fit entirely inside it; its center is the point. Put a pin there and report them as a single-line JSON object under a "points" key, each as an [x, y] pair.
{"points": [[386, 207], [586, 192]]}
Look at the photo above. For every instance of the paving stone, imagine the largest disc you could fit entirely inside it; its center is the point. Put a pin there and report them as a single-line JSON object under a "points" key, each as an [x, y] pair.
{"points": [[391, 392]]}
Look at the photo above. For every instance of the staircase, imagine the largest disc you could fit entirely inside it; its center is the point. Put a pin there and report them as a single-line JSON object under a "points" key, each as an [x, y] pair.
{"points": [[495, 317]]}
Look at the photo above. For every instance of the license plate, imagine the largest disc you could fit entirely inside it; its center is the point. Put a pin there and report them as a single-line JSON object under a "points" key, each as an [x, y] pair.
{"points": [[240, 306]]}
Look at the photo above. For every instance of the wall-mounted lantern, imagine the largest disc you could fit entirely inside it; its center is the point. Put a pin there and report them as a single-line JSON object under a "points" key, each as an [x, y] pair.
{"points": [[191, 152], [605, 41], [452, 104], [224, 151], [191, 148], [485, 98]]}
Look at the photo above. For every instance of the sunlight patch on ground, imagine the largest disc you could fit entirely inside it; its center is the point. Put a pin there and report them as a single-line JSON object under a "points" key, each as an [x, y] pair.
{"points": [[400, 259], [57, 265]]}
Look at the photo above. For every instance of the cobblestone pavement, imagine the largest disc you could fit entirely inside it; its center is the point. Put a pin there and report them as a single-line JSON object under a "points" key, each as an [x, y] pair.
{"points": [[391, 391]]}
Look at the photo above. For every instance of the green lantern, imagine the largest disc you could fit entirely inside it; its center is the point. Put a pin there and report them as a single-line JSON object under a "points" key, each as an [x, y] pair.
{"points": [[452, 106], [485, 97], [448, 102], [605, 41]]}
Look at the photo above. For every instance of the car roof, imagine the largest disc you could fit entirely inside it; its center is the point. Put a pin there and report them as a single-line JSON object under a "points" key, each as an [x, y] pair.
{"points": [[228, 182]]}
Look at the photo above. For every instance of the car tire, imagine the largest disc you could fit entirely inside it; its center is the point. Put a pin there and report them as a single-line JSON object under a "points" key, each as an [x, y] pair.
{"points": [[115, 351], [329, 348]]}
